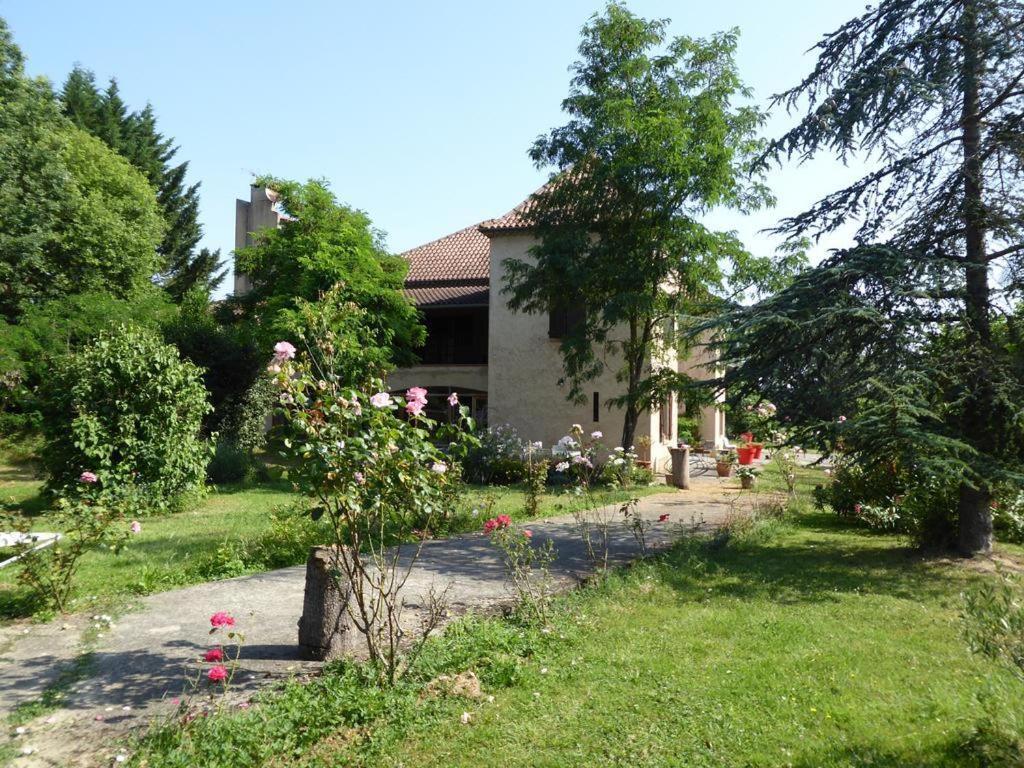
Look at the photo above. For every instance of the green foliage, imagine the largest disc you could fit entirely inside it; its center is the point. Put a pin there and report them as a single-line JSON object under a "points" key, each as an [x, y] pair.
{"points": [[285, 542], [76, 216], [134, 136], [655, 140], [49, 331], [498, 459], [689, 430], [326, 246], [128, 409], [231, 362], [230, 463], [905, 331], [376, 479], [88, 518], [994, 621]]}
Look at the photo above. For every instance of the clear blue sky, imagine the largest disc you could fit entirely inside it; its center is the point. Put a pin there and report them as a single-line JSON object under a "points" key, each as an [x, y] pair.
{"points": [[418, 113]]}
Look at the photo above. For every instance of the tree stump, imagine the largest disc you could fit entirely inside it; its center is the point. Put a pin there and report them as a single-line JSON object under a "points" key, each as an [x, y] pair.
{"points": [[325, 628]]}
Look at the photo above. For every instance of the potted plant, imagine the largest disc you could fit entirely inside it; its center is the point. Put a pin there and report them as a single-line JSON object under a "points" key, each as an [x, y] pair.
{"points": [[747, 476], [758, 449], [723, 465], [747, 437], [745, 454]]}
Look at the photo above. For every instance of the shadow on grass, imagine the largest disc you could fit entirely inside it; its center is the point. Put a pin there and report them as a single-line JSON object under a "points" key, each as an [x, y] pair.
{"points": [[792, 569]]}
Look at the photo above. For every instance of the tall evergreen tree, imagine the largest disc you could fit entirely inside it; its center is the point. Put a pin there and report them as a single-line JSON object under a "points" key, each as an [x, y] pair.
{"points": [[134, 135], [899, 328], [81, 99]]}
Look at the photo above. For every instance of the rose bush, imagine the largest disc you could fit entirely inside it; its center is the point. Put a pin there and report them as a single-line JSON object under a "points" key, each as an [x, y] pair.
{"points": [[379, 471]]}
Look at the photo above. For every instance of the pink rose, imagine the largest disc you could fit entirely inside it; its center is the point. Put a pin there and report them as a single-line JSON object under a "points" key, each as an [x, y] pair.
{"points": [[217, 674], [283, 351], [136, 526], [528, 533], [222, 619], [214, 654], [842, 419], [414, 407], [439, 467], [453, 399], [359, 478], [380, 400], [416, 395], [87, 477]]}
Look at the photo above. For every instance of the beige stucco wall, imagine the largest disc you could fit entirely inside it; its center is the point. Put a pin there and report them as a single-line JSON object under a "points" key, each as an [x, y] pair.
{"points": [[524, 366]]}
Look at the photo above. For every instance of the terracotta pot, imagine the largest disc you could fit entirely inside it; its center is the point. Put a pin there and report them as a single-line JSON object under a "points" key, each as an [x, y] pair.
{"points": [[724, 468], [745, 454], [747, 481], [758, 448]]}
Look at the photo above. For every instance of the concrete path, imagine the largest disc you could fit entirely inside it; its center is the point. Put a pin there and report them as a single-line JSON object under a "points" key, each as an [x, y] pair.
{"points": [[148, 658]]}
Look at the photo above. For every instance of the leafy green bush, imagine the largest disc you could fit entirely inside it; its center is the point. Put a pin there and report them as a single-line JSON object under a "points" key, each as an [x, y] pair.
{"points": [[128, 409], [1008, 517], [500, 459], [854, 485], [689, 430], [230, 464], [230, 359]]}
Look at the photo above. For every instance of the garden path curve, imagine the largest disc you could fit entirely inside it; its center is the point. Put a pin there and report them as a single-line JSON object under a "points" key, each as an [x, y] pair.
{"points": [[145, 661]]}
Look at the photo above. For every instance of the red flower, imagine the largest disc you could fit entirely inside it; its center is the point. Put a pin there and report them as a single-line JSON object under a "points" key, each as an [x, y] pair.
{"points": [[528, 533], [501, 521], [222, 619], [217, 674], [214, 654], [856, 509], [663, 518]]}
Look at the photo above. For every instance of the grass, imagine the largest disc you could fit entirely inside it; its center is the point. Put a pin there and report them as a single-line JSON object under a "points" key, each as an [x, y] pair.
{"points": [[804, 642], [231, 532]]}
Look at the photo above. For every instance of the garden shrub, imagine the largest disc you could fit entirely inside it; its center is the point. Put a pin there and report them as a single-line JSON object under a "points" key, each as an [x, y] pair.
{"points": [[689, 430], [128, 409], [854, 484], [500, 459], [1008, 517], [230, 464]]}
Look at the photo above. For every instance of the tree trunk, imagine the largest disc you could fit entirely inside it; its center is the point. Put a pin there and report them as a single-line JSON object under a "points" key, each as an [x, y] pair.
{"points": [[325, 631], [975, 515]]}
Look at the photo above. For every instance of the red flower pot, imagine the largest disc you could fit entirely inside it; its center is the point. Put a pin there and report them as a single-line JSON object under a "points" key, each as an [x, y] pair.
{"points": [[745, 454], [758, 448]]}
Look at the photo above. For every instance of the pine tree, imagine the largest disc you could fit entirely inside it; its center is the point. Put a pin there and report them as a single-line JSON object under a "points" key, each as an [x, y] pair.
{"points": [[134, 135], [933, 92], [81, 99]]}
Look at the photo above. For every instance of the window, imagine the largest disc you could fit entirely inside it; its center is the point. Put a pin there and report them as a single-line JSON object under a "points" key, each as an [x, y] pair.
{"points": [[597, 407], [565, 318], [665, 418]]}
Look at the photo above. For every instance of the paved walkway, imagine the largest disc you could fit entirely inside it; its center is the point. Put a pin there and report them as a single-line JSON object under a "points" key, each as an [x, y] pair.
{"points": [[148, 658]]}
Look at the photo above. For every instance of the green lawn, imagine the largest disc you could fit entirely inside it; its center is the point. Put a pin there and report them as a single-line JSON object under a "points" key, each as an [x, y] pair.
{"points": [[231, 532], [798, 643]]}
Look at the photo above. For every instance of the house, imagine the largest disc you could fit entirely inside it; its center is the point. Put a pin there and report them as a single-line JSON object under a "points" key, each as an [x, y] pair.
{"points": [[504, 365]]}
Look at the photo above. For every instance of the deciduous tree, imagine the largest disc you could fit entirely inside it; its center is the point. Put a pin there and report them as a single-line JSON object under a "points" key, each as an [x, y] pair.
{"points": [[657, 136]]}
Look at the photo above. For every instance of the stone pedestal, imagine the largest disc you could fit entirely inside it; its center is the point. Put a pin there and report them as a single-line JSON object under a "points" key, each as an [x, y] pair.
{"points": [[325, 630], [680, 467]]}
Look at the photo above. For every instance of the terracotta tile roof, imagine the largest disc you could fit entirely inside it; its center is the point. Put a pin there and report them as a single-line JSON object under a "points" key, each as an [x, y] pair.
{"points": [[512, 221], [449, 295], [458, 257]]}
